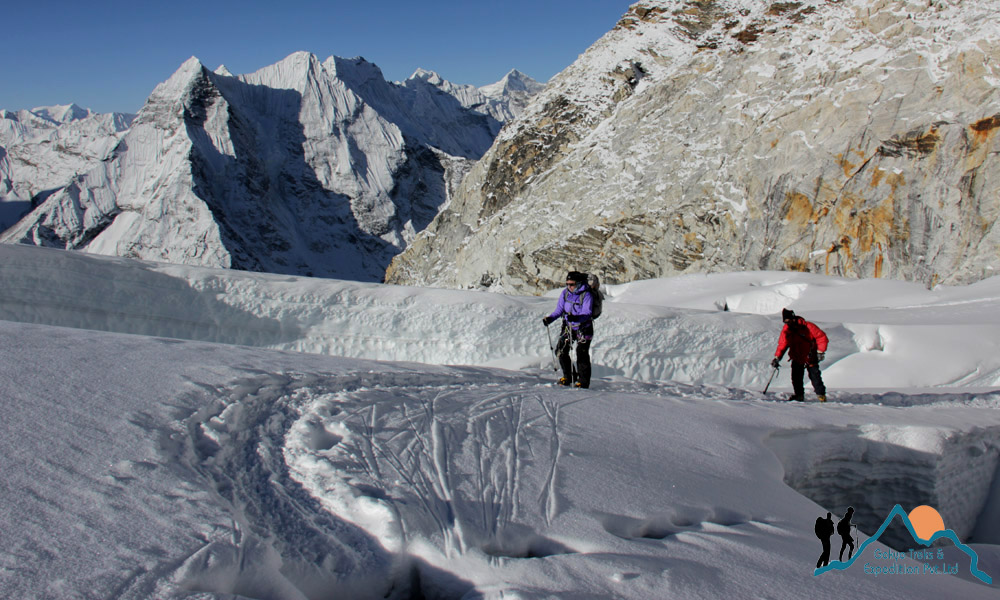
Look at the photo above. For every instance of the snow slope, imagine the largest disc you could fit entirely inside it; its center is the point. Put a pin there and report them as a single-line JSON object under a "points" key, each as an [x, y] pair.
{"points": [[153, 466]]}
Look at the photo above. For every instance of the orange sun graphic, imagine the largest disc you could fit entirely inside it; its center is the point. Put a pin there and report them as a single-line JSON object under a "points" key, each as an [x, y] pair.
{"points": [[926, 521]]}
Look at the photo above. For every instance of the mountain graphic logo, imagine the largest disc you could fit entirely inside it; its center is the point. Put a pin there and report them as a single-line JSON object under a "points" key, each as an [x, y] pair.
{"points": [[922, 521]]}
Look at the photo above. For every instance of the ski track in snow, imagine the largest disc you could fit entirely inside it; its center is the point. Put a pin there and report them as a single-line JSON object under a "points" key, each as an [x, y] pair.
{"points": [[421, 437], [463, 466], [241, 447]]}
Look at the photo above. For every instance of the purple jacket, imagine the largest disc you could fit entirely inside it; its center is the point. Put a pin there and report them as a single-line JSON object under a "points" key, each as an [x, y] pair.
{"points": [[576, 306]]}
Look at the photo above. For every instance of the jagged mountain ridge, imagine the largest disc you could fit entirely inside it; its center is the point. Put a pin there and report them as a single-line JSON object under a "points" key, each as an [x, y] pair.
{"points": [[503, 100], [304, 167], [850, 137], [42, 148]]}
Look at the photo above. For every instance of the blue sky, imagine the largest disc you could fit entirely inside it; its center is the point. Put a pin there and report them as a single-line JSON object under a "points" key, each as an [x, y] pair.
{"points": [[109, 55]]}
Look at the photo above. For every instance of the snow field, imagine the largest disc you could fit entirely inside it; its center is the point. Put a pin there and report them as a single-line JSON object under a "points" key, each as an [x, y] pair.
{"points": [[481, 478], [156, 466]]}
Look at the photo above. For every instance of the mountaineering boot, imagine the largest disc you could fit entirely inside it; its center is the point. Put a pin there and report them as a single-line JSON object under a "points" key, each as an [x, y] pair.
{"points": [[821, 397], [563, 381], [794, 398], [580, 385]]}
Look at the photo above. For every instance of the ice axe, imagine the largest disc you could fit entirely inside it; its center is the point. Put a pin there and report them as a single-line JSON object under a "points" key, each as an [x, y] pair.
{"points": [[771, 378]]}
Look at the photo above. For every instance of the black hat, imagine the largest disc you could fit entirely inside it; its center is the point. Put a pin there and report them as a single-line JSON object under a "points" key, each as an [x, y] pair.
{"points": [[786, 314], [576, 276]]}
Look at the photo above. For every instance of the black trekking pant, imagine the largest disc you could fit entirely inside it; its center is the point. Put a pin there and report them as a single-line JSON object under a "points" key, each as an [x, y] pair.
{"points": [[583, 336], [798, 370]]}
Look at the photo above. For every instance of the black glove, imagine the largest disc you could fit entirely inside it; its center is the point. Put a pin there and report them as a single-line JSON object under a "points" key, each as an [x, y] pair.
{"points": [[820, 356], [547, 321], [776, 362]]}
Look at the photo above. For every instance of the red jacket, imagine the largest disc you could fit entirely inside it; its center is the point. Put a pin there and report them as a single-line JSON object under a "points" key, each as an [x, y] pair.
{"points": [[802, 339]]}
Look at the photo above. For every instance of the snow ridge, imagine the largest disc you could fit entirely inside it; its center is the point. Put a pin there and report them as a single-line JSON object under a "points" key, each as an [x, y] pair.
{"points": [[674, 329]]}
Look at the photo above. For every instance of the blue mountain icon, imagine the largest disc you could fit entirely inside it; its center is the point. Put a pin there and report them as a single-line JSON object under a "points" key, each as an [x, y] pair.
{"points": [[898, 511]]}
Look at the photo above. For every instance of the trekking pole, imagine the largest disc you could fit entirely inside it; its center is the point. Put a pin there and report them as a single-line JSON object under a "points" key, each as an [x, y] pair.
{"points": [[555, 366], [769, 379], [572, 347]]}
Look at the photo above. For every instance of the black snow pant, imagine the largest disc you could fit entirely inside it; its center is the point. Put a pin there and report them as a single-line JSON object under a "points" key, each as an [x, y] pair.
{"points": [[798, 370], [583, 336]]}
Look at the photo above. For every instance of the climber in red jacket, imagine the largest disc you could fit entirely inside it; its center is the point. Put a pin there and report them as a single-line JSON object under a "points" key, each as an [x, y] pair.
{"points": [[806, 345]]}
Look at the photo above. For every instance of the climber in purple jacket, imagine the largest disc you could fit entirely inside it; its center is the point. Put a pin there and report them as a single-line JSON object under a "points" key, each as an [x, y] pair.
{"points": [[576, 309]]}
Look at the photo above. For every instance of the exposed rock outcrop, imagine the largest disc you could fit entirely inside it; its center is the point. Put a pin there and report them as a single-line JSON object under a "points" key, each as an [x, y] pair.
{"points": [[850, 137]]}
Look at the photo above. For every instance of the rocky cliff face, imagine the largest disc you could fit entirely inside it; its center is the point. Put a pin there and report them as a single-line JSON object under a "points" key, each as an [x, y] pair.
{"points": [[846, 137], [304, 167]]}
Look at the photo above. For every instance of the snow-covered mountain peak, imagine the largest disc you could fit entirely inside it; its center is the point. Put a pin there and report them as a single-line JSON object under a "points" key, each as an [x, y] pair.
{"points": [[306, 167], [47, 117], [62, 113], [429, 76], [294, 72], [500, 101], [43, 148], [186, 70], [514, 81], [356, 71], [175, 87]]}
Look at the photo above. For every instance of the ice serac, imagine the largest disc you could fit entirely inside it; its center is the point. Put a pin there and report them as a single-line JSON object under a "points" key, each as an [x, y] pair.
{"points": [[303, 167], [853, 138]]}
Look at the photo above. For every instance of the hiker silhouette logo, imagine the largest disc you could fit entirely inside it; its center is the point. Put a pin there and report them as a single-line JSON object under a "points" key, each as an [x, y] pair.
{"points": [[925, 526]]}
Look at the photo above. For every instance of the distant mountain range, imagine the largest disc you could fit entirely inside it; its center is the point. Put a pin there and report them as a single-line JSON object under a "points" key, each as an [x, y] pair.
{"points": [[304, 167], [42, 148], [855, 138]]}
